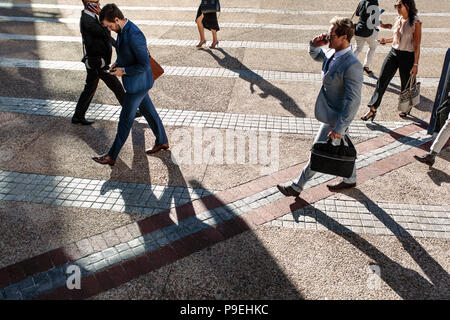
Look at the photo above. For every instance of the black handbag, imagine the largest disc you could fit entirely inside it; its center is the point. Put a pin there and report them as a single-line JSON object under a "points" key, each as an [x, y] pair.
{"points": [[335, 160], [208, 6]]}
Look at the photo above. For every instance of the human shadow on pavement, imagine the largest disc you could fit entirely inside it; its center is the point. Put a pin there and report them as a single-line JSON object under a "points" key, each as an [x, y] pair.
{"points": [[236, 265], [407, 283], [268, 89], [438, 176]]}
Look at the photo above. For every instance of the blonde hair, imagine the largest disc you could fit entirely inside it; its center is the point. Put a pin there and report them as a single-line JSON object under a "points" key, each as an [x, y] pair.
{"points": [[344, 26]]}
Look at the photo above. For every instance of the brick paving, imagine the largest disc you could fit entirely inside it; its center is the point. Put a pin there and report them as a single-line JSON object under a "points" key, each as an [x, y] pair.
{"points": [[317, 28], [230, 10], [203, 72], [223, 44], [223, 221], [187, 118]]}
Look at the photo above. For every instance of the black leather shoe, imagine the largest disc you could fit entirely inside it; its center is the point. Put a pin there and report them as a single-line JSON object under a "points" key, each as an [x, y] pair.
{"points": [[138, 114], [82, 121], [288, 191], [341, 185], [427, 159]]}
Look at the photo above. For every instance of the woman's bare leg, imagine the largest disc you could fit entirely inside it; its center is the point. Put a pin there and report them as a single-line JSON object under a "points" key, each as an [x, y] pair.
{"points": [[201, 31]]}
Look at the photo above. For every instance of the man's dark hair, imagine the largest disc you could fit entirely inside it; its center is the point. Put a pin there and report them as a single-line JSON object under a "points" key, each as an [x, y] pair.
{"points": [[344, 26], [110, 12]]}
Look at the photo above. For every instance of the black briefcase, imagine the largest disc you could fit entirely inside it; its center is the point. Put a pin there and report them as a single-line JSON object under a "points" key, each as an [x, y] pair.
{"points": [[335, 160]]}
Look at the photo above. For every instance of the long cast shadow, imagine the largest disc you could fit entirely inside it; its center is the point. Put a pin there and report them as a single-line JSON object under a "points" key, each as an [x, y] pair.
{"points": [[407, 283], [268, 89]]}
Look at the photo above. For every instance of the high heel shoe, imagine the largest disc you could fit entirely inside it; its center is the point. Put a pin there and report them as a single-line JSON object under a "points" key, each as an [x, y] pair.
{"points": [[370, 115], [404, 114], [214, 45], [200, 44]]}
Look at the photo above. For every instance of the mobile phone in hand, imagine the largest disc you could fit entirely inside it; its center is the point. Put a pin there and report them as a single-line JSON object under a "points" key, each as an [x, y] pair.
{"points": [[92, 6]]}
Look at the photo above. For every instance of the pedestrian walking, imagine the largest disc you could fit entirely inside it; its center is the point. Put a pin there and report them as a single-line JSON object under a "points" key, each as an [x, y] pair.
{"points": [[404, 55], [443, 134], [133, 65], [209, 21], [366, 30], [97, 48], [339, 97]]}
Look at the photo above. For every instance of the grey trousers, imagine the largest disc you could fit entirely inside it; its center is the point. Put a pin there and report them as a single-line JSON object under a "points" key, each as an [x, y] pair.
{"points": [[307, 173]]}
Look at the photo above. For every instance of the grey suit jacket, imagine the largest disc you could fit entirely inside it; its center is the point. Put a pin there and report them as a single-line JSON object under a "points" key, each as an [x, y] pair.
{"points": [[340, 96]]}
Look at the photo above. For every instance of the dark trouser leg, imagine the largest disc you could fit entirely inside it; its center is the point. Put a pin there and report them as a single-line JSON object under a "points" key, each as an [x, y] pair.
{"points": [[154, 121], [86, 96], [406, 62], [388, 70], [114, 84], [126, 119]]}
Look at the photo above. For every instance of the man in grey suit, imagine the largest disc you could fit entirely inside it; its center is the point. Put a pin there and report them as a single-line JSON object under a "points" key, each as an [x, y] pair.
{"points": [[339, 98]]}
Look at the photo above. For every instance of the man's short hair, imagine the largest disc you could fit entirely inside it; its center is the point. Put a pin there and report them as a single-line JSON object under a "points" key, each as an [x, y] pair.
{"points": [[344, 26], [110, 12]]}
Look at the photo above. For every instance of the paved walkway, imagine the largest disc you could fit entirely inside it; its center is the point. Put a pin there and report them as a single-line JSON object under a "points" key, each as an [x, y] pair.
{"points": [[158, 231]]}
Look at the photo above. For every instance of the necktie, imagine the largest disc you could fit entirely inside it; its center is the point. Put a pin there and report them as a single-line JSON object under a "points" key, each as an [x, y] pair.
{"points": [[327, 65]]}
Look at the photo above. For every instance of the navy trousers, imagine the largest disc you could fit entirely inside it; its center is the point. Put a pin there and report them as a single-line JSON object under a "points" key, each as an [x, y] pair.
{"points": [[131, 103]]}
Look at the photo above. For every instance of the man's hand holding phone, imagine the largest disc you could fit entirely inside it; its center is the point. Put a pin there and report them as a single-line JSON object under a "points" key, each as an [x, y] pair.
{"points": [[320, 40], [94, 7]]}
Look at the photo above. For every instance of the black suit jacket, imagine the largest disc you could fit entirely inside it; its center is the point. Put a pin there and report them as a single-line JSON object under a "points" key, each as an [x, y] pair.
{"points": [[97, 39]]}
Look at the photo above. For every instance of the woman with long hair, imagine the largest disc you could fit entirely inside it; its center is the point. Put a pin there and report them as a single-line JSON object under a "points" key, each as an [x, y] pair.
{"points": [[404, 54], [208, 21]]}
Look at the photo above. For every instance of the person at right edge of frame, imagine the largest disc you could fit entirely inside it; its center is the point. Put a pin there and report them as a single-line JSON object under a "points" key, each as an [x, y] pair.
{"points": [[339, 98], [133, 65], [404, 55]]}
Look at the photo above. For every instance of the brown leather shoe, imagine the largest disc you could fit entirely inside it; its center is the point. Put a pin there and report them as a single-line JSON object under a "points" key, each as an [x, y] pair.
{"points": [[341, 185], [288, 191], [155, 149], [105, 159]]}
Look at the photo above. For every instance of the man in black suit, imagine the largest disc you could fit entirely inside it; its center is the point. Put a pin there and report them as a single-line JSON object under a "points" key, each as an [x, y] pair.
{"points": [[97, 49]]}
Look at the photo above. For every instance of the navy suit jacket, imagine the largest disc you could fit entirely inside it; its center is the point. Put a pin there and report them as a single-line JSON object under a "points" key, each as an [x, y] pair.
{"points": [[132, 55]]}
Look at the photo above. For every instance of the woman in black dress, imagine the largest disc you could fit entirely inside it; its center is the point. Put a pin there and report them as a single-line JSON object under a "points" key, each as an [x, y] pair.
{"points": [[208, 21]]}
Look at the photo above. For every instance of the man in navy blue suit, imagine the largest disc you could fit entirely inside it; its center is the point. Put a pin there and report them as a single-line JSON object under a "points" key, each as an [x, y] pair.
{"points": [[133, 65]]}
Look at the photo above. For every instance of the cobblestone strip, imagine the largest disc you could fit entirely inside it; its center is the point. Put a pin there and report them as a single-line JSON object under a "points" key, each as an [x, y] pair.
{"points": [[363, 217], [153, 242], [232, 10], [202, 72], [96, 194], [186, 118], [223, 43], [192, 24]]}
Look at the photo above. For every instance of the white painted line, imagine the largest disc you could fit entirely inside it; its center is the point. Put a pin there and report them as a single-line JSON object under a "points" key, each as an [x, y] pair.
{"points": [[201, 72], [223, 43], [9, 5], [192, 24]]}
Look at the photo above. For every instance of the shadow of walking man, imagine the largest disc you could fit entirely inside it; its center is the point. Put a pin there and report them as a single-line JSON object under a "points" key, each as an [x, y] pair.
{"points": [[407, 283], [268, 89]]}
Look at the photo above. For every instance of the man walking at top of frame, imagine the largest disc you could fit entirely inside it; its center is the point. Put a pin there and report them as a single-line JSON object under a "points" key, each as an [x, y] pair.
{"points": [[339, 98], [133, 65], [97, 49]]}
